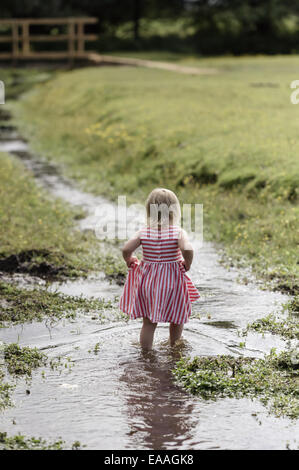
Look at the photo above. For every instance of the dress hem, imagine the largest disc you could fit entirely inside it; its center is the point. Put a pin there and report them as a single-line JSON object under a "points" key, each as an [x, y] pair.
{"points": [[159, 321]]}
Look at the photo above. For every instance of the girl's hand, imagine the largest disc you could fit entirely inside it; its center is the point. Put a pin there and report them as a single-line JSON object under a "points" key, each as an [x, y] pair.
{"points": [[186, 265], [186, 249], [131, 261], [129, 248]]}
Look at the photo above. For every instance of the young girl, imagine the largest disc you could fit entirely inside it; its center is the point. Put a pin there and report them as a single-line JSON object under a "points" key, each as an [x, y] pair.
{"points": [[158, 289]]}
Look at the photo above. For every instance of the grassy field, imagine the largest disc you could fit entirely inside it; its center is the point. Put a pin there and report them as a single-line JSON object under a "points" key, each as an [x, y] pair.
{"points": [[228, 141]]}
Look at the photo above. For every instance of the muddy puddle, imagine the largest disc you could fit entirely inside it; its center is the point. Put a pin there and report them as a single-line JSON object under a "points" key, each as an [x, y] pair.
{"points": [[116, 397]]}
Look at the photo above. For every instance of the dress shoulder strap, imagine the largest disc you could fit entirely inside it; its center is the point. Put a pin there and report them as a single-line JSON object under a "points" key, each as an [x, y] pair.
{"points": [[172, 231]]}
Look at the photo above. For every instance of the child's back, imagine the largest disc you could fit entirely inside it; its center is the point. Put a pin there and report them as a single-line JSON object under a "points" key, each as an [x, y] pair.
{"points": [[158, 288], [161, 245]]}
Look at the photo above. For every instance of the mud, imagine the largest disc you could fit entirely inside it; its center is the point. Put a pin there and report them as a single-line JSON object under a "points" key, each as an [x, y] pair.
{"points": [[24, 262]]}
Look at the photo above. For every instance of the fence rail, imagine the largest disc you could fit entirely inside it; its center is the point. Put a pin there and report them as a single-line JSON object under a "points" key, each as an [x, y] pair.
{"points": [[21, 39]]}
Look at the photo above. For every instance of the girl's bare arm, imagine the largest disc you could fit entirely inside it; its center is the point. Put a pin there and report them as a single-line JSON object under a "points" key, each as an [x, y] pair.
{"points": [[186, 249], [129, 247]]}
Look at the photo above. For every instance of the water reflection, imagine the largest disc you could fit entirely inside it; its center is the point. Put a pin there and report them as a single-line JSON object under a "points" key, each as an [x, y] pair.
{"points": [[159, 412]]}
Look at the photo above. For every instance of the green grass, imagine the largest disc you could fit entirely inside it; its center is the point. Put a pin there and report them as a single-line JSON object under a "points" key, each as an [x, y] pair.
{"points": [[19, 362], [20, 442], [18, 80], [274, 379], [286, 327], [22, 361], [112, 265], [25, 305], [5, 391], [228, 141], [38, 234]]}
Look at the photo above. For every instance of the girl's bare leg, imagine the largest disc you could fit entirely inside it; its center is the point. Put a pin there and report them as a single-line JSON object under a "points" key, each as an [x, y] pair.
{"points": [[147, 334], [175, 332]]}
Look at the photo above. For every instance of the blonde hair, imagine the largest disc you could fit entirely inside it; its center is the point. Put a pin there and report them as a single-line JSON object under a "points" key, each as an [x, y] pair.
{"points": [[162, 208]]}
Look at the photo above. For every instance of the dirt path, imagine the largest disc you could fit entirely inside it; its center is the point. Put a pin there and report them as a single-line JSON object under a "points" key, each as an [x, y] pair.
{"points": [[113, 60]]}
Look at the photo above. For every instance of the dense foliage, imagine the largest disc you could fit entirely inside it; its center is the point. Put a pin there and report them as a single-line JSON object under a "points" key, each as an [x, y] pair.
{"points": [[209, 27]]}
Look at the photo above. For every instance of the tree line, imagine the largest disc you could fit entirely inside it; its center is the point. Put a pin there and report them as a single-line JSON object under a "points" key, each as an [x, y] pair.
{"points": [[214, 26]]}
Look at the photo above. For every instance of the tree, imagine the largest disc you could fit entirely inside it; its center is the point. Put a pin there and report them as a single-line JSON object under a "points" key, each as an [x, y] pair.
{"points": [[260, 16], [109, 12]]}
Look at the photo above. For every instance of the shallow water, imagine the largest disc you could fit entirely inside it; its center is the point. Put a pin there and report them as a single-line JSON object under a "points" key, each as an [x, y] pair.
{"points": [[121, 398]]}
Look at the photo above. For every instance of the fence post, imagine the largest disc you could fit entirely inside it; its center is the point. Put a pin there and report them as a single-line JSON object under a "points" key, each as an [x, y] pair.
{"points": [[25, 38], [81, 43], [15, 41], [71, 42]]}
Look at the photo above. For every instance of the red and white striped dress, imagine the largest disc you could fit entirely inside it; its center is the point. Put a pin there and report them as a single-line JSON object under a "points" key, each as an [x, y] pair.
{"points": [[158, 286]]}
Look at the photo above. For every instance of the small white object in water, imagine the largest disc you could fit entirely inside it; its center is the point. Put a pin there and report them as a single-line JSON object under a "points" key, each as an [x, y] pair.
{"points": [[69, 386]]}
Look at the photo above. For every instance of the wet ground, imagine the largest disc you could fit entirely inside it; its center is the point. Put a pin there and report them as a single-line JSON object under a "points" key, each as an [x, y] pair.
{"points": [[115, 396]]}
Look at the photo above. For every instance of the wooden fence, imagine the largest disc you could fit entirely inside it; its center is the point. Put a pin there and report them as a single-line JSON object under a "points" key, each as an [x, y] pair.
{"points": [[21, 39]]}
